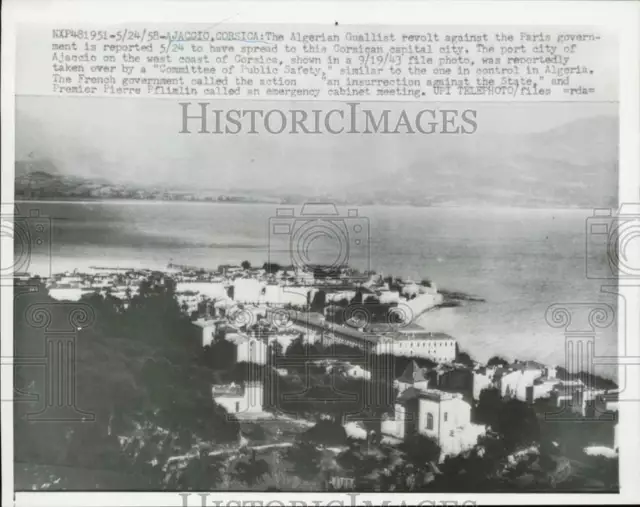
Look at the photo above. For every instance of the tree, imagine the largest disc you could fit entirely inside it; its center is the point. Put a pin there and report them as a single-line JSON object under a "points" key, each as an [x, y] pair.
{"points": [[497, 361], [518, 424], [297, 348], [319, 301], [419, 452], [305, 460], [489, 407], [325, 432], [271, 267], [251, 472], [136, 376], [202, 473], [464, 358], [245, 265], [366, 467]]}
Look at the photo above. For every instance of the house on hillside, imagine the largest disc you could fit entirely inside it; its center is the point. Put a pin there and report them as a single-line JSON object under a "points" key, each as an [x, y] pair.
{"points": [[443, 416], [239, 400]]}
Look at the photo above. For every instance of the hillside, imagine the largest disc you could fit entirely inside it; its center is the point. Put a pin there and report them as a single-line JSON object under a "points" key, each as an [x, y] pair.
{"points": [[574, 165]]}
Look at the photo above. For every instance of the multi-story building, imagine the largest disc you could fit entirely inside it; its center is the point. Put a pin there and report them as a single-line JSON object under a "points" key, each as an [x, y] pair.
{"points": [[249, 349], [411, 341], [209, 328], [240, 400], [443, 416], [521, 380], [438, 347]]}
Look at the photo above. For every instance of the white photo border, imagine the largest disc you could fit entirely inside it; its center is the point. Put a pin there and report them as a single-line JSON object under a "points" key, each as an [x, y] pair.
{"points": [[624, 17]]}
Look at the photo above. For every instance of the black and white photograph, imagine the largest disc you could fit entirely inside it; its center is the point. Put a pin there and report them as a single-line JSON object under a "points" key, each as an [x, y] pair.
{"points": [[260, 271]]}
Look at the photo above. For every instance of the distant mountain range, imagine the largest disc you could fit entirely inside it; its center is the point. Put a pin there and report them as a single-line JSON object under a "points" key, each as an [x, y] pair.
{"points": [[40, 180], [574, 165]]}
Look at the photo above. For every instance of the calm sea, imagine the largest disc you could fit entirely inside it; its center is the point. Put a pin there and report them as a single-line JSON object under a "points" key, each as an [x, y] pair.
{"points": [[520, 261]]}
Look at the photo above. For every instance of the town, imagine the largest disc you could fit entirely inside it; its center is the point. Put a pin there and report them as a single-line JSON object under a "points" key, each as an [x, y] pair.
{"points": [[332, 363]]}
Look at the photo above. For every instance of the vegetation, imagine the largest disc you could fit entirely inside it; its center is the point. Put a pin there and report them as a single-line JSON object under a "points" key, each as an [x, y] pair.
{"points": [[141, 394], [143, 399], [497, 361]]}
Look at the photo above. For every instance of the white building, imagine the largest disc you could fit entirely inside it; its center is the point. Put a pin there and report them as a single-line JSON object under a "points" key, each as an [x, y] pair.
{"points": [[413, 376], [443, 416], [251, 290], [388, 297], [209, 290], [523, 380], [68, 293], [482, 379], [246, 399], [249, 349], [247, 290], [438, 347], [209, 327]]}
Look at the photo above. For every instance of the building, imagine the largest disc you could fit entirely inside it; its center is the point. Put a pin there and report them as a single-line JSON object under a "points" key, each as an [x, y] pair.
{"points": [[482, 379], [522, 380], [608, 401], [443, 416], [316, 328], [246, 399], [438, 347], [252, 290], [410, 341], [249, 349], [413, 376], [209, 328], [454, 377], [209, 290], [247, 290], [188, 301]]}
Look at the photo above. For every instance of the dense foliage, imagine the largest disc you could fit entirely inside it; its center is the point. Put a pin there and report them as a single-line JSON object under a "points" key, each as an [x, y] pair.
{"points": [[139, 384]]}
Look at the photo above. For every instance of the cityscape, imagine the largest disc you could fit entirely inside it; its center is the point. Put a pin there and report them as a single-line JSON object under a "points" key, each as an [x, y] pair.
{"points": [[315, 313], [319, 379]]}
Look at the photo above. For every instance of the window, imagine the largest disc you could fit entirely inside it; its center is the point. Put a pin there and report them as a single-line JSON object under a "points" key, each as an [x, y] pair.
{"points": [[446, 416], [429, 421]]}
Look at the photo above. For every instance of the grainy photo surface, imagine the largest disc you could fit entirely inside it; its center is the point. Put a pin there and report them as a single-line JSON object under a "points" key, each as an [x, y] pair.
{"points": [[316, 258]]}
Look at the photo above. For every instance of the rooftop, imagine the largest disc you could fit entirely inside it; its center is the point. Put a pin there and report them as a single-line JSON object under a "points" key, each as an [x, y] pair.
{"points": [[425, 335], [428, 394], [412, 374], [227, 390], [317, 320]]}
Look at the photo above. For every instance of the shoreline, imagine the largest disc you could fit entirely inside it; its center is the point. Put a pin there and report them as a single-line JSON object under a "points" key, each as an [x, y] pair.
{"points": [[452, 299], [461, 207]]}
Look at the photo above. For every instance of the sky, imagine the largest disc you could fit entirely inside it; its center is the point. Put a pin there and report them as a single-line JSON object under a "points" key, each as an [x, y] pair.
{"points": [[138, 141]]}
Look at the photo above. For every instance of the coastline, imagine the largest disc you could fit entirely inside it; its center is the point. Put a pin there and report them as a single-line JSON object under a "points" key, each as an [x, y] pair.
{"points": [[451, 300], [461, 207]]}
